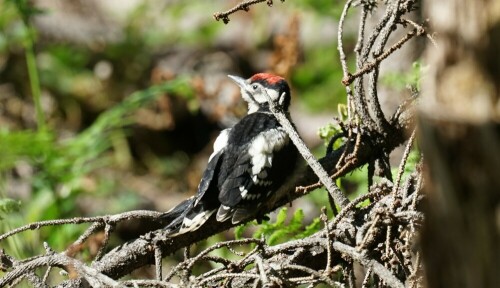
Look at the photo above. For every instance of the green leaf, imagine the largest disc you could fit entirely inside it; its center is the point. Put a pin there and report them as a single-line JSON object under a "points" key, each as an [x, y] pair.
{"points": [[279, 231], [343, 111], [281, 217], [26, 8], [400, 81], [310, 229], [296, 223], [327, 132], [239, 230], [8, 205], [276, 236]]}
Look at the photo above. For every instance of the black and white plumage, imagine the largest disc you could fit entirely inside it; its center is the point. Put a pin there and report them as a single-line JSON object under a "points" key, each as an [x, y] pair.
{"points": [[250, 163]]}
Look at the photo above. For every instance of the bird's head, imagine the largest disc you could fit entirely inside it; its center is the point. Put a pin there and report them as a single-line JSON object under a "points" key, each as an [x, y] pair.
{"points": [[254, 89]]}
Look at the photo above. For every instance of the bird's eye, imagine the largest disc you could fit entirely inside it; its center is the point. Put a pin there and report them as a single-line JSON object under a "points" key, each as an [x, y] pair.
{"points": [[254, 87]]}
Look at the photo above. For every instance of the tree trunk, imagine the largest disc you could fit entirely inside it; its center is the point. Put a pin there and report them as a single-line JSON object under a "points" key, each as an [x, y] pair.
{"points": [[460, 136]]}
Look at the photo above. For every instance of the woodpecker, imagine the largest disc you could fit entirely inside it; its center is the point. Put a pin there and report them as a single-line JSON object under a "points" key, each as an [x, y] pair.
{"points": [[250, 164]]}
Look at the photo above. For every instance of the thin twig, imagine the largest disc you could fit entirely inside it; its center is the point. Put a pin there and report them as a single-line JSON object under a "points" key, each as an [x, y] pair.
{"points": [[352, 205], [388, 237], [158, 264], [403, 162], [147, 283], [315, 273], [39, 224], [343, 58], [138, 214], [91, 230], [243, 6], [377, 268], [260, 268], [107, 231], [329, 257], [367, 278], [226, 244], [227, 276], [368, 236], [422, 29], [94, 277], [323, 176], [351, 279], [368, 67]]}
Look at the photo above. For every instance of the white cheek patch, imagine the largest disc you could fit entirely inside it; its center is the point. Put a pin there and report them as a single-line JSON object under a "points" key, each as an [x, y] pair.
{"points": [[252, 107], [260, 97], [220, 143], [282, 99], [261, 153]]}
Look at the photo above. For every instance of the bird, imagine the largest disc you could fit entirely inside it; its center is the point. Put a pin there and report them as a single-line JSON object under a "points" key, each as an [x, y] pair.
{"points": [[251, 165]]}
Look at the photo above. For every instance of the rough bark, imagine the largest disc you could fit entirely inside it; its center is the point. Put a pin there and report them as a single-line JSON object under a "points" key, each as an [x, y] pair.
{"points": [[460, 135]]}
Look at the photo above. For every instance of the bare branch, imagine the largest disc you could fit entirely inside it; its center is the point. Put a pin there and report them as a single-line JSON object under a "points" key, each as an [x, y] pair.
{"points": [[376, 267], [332, 188], [94, 277], [378, 234], [368, 67], [243, 6], [139, 214], [403, 161]]}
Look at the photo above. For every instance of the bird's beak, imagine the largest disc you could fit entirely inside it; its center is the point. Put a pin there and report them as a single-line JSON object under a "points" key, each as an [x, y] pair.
{"points": [[240, 81], [244, 89]]}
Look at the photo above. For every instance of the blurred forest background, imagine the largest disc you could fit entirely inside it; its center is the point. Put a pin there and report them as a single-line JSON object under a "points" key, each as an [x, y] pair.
{"points": [[110, 106]]}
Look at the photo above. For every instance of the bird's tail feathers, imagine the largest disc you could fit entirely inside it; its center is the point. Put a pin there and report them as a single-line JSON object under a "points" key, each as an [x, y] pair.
{"points": [[186, 217], [175, 216], [237, 215]]}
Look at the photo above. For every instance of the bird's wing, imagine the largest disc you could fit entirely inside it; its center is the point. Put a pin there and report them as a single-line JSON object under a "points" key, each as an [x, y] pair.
{"points": [[193, 212], [213, 165], [248, 184]]}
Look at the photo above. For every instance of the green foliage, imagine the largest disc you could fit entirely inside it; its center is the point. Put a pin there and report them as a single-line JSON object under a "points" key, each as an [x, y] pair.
{"points": [[318, 79], [8, 205], [357, 180], [65, 160], [342, 111], [26, 10], [280, 231], [310, 229], [23, 145], [12, 36], [321, 7], [400, 81], [239, 230], [118, 117], [64, 70], [327, 132], [354, 184], [62, 164]]}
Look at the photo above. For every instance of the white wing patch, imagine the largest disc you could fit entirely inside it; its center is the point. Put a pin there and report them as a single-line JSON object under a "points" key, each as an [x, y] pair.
{"points": [[259, 181], [220, 143], [246, 196], [244, 192], [261, 153], [195, 223]]}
